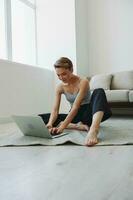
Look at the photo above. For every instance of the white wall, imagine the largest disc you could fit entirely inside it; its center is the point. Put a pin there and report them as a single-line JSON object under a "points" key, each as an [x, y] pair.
{"points": [[56, 35], [109, 35], [55, 31], [24, 89], [81, 16]]}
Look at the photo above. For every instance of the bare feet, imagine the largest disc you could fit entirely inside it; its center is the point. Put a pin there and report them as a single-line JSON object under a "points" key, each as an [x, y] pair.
{"points": [[91, 138], [79, 126]]}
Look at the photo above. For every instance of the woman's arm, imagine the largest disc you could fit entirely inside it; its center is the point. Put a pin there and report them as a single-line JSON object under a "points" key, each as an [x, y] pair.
{"points": [[84, 86], [56, 106]]}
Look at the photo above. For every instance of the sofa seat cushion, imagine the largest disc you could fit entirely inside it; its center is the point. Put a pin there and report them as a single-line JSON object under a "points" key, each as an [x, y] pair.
{"points": [[131, 96], [101, 81], [122, 80], [117, 95]]}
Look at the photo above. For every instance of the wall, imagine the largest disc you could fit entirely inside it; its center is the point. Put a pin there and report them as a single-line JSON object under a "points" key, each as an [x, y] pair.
{"points": [[55, 31], [81, 23], [24, 89], [108, 39], [56, 35]]}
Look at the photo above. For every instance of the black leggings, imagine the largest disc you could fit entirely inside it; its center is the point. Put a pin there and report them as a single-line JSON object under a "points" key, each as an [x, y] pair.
{"points": [[98, 102]]}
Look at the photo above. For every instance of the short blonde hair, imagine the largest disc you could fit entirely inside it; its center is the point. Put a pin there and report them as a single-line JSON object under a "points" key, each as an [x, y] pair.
{"points": [[64, 62]]}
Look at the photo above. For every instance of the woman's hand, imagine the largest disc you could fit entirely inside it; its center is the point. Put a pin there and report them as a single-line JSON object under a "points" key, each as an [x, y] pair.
{"points": [[57, 130], [50, 127]]}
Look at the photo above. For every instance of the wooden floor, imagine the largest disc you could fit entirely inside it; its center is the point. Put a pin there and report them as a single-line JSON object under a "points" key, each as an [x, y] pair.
{"points": [[66, 172]]}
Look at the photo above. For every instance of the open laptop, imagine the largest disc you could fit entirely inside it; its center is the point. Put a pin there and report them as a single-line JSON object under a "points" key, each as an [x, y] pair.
{"points": [[34, 126]]}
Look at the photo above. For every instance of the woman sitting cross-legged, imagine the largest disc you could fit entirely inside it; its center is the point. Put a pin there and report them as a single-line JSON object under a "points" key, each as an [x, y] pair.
{"points": [[87, 110]]}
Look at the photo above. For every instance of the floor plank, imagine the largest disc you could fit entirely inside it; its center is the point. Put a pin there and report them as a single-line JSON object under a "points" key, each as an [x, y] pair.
{"points": [[66, 172]]}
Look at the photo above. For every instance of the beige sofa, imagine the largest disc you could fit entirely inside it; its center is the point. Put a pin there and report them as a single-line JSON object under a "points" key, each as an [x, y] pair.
{"points": [[118, 88]]}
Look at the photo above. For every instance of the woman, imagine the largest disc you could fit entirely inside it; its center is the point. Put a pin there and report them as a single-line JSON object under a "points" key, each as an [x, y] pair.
{"points": [[87, 111]]}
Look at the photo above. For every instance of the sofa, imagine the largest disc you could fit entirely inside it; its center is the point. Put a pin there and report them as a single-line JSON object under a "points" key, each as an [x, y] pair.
{"points": [[118, 88]]}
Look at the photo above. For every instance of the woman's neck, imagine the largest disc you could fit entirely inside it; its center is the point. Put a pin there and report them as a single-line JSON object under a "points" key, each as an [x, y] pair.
{"points": [[73, 80]]}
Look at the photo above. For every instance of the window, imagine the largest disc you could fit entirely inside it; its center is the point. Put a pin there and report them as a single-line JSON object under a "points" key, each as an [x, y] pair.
{"points": [[23, 33], [20, 32], [3, 53]]}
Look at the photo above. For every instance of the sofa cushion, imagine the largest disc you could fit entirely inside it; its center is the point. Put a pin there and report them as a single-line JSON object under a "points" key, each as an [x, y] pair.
{"points": [[117, 95], [131, 96], [122, 80], [101, 81]]}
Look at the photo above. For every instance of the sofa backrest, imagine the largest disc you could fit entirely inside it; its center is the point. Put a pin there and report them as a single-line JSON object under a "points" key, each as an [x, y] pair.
{"points": [[114, 81], [122, 80], [101, 81]]}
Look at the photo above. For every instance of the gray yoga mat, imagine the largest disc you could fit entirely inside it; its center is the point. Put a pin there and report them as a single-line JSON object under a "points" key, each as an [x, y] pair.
{"points": [[115, 131]]}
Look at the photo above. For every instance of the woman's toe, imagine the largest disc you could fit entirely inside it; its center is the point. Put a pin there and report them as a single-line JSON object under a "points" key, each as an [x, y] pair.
{"points": [[91, 142]]}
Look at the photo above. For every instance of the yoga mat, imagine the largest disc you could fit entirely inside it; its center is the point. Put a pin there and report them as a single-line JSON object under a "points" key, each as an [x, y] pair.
{"points": [[114, 131]]}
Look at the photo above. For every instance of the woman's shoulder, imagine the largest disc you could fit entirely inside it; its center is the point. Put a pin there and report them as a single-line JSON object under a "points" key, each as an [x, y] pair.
{"points": [[59, 88], [84, 83], [84, 80]]}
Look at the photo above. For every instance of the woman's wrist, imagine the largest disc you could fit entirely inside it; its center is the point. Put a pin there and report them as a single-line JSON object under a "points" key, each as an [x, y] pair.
{"points": [[49, 125], [63, 125]]}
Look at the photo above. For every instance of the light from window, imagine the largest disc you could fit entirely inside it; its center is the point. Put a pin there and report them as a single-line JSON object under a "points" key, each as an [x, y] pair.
{"points": [[23, 33], [2, 31]]}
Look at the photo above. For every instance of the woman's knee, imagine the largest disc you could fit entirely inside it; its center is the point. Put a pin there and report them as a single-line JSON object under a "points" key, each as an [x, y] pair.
{"points": [[99, 91]]}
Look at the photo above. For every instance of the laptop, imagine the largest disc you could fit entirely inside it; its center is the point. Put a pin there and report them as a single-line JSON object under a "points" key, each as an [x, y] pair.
{"points": [[34, 126]]}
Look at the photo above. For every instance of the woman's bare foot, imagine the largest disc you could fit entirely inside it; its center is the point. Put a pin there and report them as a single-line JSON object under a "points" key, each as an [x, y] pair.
{"points": [[79, 126], [91, 138]]}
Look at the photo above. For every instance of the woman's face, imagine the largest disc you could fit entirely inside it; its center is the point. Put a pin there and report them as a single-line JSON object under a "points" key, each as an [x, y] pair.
{"points": [[63, 74]]}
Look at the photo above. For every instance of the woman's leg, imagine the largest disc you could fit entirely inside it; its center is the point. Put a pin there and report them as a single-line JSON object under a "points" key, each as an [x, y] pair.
{"points": [[78, 126], [60, 118], [91, 137], [45, 117], [100, 112], [77, 123]]}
